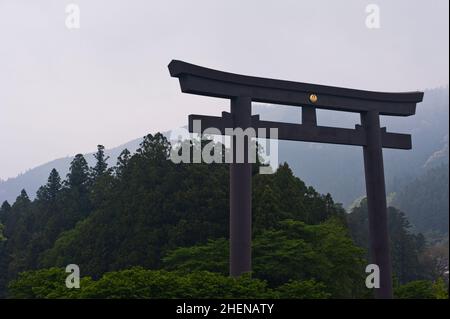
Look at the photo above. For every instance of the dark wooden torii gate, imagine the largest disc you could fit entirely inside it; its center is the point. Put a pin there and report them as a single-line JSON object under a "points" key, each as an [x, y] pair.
{"points": [[243, 90]]}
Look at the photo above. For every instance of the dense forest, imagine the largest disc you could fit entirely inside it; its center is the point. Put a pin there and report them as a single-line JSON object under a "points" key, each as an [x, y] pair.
{"points": [[149, 228]]}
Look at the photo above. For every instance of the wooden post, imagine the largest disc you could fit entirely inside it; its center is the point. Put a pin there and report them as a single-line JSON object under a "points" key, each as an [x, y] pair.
{"points": [[376, 202], [241, 195], [309, 116]]}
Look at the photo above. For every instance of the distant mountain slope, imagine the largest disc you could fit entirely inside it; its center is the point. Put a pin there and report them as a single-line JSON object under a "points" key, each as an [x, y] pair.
{"points": [[425, 201]]}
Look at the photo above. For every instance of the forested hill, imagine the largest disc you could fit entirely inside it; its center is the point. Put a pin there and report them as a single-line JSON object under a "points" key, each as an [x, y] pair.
{"points": [[426, 201], [172, 219], [134, 213]]}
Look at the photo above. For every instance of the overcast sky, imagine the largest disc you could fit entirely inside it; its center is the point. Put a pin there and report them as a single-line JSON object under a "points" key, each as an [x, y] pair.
{"points": [[64, 91]]}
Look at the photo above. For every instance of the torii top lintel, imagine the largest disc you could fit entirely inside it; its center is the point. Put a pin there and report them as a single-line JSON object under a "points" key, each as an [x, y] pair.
{"points": [[204, 81]]}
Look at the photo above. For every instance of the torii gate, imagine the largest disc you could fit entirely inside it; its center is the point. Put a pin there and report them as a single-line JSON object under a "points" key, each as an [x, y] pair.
{"points": [[242, 90]]}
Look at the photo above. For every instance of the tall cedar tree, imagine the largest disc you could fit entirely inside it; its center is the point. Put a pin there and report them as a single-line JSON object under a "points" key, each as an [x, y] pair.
{"points": [[101, 165]]}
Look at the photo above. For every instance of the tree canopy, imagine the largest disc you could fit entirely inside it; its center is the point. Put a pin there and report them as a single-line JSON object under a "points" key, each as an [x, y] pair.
{"points": [[149, 228]]}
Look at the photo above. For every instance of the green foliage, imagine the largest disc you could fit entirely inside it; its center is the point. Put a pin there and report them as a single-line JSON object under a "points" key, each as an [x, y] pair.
{"points": [[152, 205], [50, 191], [2, 236], [156, 284], [141, 283], [43, 283], [213, 256], [171, 219], [308, 289], [283, 196], [422, 289], [405, 246], [78, 176], [440, 289], [5, 212], [101, 166], [293, 251]]}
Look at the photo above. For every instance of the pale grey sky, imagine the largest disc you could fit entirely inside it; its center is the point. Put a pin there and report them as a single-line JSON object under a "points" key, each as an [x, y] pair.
{"points": [[64, 91]]}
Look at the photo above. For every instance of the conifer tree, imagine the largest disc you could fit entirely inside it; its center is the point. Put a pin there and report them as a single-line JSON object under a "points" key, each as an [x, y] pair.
{"points": [[122, 162], [101, 166], [78, 176], [49, 191], [5, 210]]}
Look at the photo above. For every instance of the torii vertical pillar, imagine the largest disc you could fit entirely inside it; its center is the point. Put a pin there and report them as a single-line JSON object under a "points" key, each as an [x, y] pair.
{"points": [[241, 194], [376, 203]]}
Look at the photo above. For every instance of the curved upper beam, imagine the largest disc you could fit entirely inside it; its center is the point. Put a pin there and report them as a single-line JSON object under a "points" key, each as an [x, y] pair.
{"points": [[203, 81]]}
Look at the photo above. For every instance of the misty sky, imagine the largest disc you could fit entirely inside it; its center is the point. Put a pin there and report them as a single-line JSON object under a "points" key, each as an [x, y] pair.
{"points": [[65, 91]]}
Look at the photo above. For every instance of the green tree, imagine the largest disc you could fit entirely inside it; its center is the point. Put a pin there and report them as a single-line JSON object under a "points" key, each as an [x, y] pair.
{"points": [[2, 236], [76, 193], [422, 289], [78, 176], [122, 162], [140, 283], [101, 165], [266, 213], [155, 147], [405, 246], [17, 232], [50, 191], [5, 211], [292, 251], [308, 289]]}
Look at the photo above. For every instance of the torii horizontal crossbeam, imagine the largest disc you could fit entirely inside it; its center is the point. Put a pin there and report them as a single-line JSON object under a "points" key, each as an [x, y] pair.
{"points": [[204, 81], [305, 133]]}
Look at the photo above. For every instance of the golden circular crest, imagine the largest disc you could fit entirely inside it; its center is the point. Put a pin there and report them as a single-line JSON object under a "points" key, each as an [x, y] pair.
{"points": [[313, 98]]}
